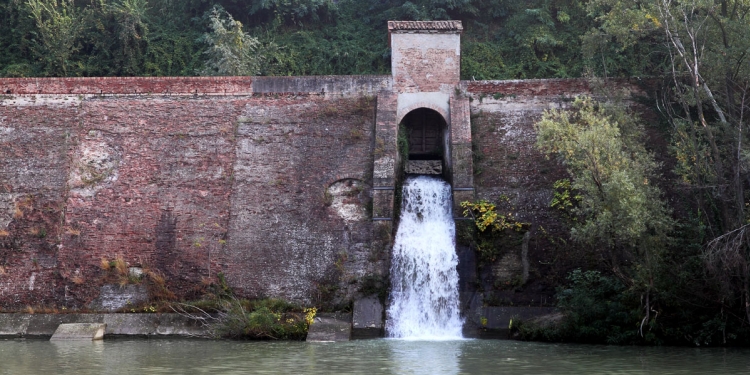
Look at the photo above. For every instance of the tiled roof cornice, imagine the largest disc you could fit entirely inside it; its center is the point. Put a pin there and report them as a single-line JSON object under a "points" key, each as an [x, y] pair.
{"points": [[425, 26]]}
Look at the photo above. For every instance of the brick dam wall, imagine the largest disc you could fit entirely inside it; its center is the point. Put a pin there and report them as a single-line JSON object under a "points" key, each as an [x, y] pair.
{"points": [[267, 180]]}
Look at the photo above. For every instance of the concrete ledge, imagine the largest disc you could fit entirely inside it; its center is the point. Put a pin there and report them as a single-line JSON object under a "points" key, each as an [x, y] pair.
{"points": [[142, 325], [330, 328], [79, 331], [494, 321]]}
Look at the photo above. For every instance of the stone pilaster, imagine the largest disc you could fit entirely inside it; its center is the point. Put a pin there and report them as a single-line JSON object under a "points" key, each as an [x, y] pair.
{"points": [[461, 153], [386, 158]]}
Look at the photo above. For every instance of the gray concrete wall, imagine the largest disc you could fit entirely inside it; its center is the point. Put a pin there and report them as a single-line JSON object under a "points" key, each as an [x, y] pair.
{"points": [[136, 325]]}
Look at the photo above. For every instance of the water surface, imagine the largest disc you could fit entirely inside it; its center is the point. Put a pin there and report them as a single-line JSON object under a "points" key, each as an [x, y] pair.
{"points": [[372, 357]]}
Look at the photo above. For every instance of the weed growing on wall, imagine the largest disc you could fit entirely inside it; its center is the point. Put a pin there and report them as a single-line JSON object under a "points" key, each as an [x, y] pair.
{"points": [[118, 271], [492, 228]]}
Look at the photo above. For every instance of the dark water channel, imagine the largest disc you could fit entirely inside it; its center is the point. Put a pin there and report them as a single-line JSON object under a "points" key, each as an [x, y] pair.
{"points": [[164, 356]]}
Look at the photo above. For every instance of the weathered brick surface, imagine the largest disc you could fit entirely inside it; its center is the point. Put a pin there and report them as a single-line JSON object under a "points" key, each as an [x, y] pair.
{"points": [[345, 85], [506, 162], [425, 62], [165, 204], [285, 238], [268, 188], [385, 156], [187, 187], [503, 114], [460, 144], [33, 172], [530, 87]]}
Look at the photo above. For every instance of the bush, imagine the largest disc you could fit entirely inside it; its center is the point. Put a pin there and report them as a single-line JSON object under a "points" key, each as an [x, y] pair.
{"points": [[263, 319], [596, 308]]}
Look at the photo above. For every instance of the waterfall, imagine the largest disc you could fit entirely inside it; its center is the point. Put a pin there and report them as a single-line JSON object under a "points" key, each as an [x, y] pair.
{"points": [[424, 280]]}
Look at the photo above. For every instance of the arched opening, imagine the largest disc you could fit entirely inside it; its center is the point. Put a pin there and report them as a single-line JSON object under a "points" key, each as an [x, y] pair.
{"points": [[425, 130]]}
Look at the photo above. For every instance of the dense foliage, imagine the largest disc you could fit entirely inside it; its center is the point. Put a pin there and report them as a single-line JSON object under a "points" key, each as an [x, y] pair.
{"points": [[502, 38], [679, 278]]}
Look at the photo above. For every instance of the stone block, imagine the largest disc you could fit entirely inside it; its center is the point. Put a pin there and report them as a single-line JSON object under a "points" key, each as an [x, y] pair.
{"points": [[153, 325], [382, 204], [179, 325], [79, 331], [44, 325], [424, 167], [367, 320]]}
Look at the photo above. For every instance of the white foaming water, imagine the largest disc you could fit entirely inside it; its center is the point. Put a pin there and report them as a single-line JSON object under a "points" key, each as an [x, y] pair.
{"points": [[424, 280]]}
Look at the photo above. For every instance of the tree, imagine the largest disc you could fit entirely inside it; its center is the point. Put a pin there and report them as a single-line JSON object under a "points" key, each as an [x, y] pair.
{"points": [[132, 32], [58, 26], [618, 208], [290, 11], [231, 51], [706, 100]]}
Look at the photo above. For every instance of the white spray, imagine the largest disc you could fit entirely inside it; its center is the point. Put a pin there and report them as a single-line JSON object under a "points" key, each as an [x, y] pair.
{"points": [[424, 280]]}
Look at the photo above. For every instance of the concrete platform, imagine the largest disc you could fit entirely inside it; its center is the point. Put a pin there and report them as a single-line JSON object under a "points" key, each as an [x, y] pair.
{"points": [[330, 328], [133, 325], [79, 331]]}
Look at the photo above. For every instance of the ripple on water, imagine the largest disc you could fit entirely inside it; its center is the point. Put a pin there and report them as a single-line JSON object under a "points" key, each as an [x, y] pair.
{"points": [[372, 357]]}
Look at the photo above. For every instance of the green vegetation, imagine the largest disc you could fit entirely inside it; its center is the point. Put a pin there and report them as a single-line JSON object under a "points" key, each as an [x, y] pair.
{"points": [[492, 231], [502, 38], [675, 264], [225, 315], [262, 319], [597, 308], [619, 209], [653, 288], [231, 51]]}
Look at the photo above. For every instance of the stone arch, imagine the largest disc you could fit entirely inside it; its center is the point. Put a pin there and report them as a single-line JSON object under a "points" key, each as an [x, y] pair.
{"points": [[403, 112]]}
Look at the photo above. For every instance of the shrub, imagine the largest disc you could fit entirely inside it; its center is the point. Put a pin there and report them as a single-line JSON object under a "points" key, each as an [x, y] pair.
{"points": [[262, 319]]}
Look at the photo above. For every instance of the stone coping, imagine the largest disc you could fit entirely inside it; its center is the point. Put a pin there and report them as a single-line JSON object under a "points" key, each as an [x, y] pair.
{"points": [[366, 84], [245, 86]]}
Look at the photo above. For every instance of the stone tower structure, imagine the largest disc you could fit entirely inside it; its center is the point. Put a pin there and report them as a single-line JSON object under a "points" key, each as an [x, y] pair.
{"points": [[426, 100]]}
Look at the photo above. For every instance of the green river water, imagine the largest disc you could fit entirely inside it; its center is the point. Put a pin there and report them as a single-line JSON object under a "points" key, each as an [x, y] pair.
{"points": [[167, 356]]}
